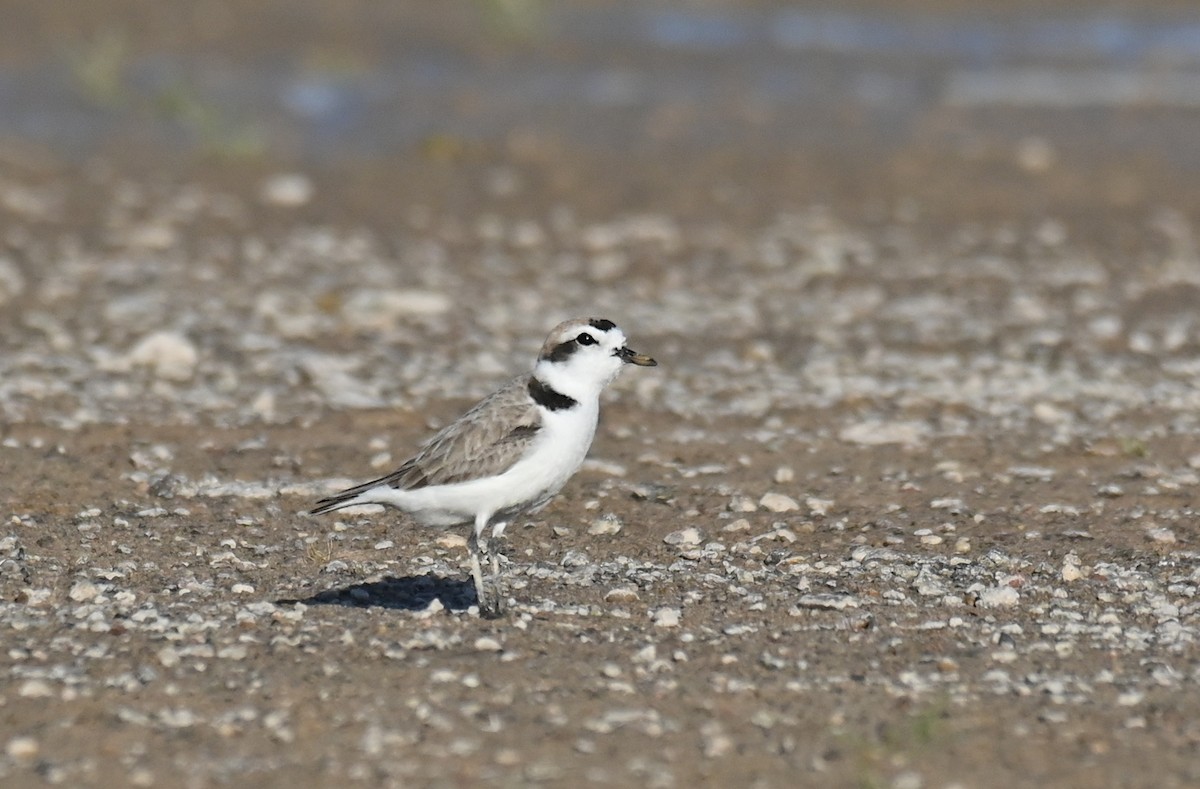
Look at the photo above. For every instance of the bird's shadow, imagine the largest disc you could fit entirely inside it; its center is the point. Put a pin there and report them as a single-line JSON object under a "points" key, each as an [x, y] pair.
{"points": [[408, 593]]}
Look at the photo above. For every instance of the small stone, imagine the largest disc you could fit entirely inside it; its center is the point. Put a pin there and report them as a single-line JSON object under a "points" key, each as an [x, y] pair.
{"points": [[828, 602], [741, 524], [508, 757], [622, 594], [35, 689], [667, 617], [876, 433], [451, 541], [777, 502], [1049, 414], [1160, 534], [169, 657], [605, 524], [83, 591], [646, 654], [487, 644], [169, 354], [742, 504], [907, 780], [287, 190], [1071, 572], [784, 475], [818, 507], [22, 749], [716, 742], [575, 558], [689, 536], [999, 597]]}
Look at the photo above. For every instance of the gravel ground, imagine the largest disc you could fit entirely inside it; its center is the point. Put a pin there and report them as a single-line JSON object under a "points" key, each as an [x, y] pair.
{"points": [[898, 507], [909, 501]]}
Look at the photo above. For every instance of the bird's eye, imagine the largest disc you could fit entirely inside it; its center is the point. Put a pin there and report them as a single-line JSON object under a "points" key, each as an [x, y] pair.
{"points": [[585, 339]]}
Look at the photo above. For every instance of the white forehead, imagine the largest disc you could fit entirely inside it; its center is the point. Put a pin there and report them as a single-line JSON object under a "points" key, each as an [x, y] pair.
{"points": [[604, 331]]}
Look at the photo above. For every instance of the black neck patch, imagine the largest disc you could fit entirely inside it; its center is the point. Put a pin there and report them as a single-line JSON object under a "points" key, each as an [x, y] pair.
{"points": [[549, 399], [603, 324]]}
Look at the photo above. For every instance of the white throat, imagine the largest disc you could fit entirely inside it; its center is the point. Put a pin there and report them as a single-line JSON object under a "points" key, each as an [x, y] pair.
{"points": [[579, 382]]}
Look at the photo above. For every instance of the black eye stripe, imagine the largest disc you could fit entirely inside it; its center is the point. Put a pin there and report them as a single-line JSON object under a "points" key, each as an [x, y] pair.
{"points": [[561, 352]]}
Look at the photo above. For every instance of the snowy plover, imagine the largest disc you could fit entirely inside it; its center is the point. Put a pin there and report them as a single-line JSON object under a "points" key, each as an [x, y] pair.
{"points": [[513, 451]]}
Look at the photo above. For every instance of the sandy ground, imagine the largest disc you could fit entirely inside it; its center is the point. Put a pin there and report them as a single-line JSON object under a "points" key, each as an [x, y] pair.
{"points": [[910, 500]]}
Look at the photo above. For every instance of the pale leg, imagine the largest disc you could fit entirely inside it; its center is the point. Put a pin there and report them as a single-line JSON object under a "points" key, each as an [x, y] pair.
{"points": [[476, 571], [495, 545], [489, 604]]}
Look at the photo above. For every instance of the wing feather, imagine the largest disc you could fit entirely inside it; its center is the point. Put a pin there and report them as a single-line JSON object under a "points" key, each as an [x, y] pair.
{"points": [[485, 441]]}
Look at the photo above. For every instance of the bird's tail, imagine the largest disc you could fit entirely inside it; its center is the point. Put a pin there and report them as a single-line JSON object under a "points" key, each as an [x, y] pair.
{"points": [[346, 498], [335, 502]]}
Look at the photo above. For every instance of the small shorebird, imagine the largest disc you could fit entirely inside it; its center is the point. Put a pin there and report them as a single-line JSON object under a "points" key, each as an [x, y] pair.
{"points": [[512, 451]]}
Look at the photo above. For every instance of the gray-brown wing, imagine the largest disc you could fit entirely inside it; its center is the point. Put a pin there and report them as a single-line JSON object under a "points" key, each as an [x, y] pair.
{"points": [[485, 441]]}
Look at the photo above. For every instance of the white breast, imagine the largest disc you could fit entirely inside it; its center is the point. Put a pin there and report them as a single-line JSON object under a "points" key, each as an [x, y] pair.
{"points": [[553, 458]]}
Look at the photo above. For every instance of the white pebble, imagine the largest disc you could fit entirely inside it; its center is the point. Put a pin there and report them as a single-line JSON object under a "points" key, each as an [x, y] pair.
{"points": [[622, 594], [22, 749], [999, 597], [451, 541], [667, 617], [818, 506], [875, 433], [35, 689], [777, 502], [742, 504], [83, 591], [1160, 534], [783, 475], [605, 524], [169, 354], [287, 190], [689, 536], [487, 644]]}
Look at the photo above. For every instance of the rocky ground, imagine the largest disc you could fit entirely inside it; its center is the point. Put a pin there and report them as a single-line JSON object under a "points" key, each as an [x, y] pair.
{"points": [[910, 500]]}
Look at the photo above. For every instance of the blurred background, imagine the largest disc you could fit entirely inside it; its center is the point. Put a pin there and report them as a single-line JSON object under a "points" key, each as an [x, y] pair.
{"points": [[295, 197], [835, 100]]}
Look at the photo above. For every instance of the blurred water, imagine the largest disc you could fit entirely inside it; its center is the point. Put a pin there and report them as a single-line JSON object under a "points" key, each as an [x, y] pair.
{"points": [[777, 76]]}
